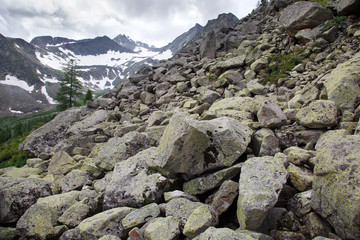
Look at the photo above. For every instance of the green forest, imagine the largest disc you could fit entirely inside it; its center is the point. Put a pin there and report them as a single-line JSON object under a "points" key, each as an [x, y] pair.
{"points": [[13, 131]]}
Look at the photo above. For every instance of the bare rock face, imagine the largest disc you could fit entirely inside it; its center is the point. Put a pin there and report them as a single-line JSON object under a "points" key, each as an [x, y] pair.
{"points": [[192, 147], [18, 194], [301, 15], [44, 139]]}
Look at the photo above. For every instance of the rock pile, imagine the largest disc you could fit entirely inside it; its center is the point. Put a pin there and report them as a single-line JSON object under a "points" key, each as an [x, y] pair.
{"points": [[208, 148]]}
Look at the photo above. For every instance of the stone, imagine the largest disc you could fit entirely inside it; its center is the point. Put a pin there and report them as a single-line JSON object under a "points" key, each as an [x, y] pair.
{"points": [[154, 134], [231, 76], [265, 143], [17, 195], [8, 233], [300, 204], [255, 235], [235, 62], [261, 181], [156, 118], [23, 172], [298, 156], [181, 208], [300, 177], [208, 96], [319, 114], [256, 88], [199, 220], [341, 85], [179, 194], [74, 180], [147, 98], [118, 149], [348, 7], [222, 234], [246, 104], [316, 225], [163, 228], [181, 87], [335, 187], [38, 222], [90, 121], [223, 197], [59, 202], [259, 64], [301, 15], [276, 234], [104, 223], [109, 237], [270, 115], [208, 46], [213, 144], [45, 138], [133, 185], [74, 215], [61, 163], [140, 216], [210, 181]]}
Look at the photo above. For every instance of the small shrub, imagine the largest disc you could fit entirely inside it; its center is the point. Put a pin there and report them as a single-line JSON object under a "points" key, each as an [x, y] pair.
{"points": [[335, 22], [10, 154]]}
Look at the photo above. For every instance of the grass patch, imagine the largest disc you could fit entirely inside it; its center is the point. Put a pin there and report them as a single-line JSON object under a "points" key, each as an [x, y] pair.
{"points": [[279, 65], [335, 22]]}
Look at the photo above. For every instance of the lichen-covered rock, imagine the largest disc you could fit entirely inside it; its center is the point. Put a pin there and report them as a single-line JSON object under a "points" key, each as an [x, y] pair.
{"points": [[222, 234], [44, 139], [261, 181], [60, 202], [300, 177], [107, 222], [319, 114], [90, 121], [348, 7], [265, 143], [270, 115], [139, 216], [17, 195], [205, 183], [156, 118], [298, 156], [335, 186], [287, 235], [118, 149], [212, 144], [232, 63], [199, 220], [179, 194], [74, 180], [61, 163], [74, 214], [23, 172], [256, 88], [316, 225], [181, 208], [133, 185], [8, 233], [109, 237], [342, 84], [222, 199], [163, 228], [301, 15], [300, 204], [255, 235], [246, 104]]}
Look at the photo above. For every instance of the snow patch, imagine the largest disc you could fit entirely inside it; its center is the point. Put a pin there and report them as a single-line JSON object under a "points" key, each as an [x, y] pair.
{"points": [[164, 55], [50, 99], [14, 111], [38, 71], [14, 81]]}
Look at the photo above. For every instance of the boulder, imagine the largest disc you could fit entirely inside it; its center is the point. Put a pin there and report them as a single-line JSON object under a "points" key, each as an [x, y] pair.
{"points": [[261, 181], [147, 98], [300, 177], [133, 185], [199, 220], [270, 115], [44, 139], [156, 118], [222, 234], [60, 202], [235, 62], [181, 208], [104, 223], [74, 215], [61, 163], [265, 143], [17, 195], [301, 15], [210, 181], [90, 121], [300, 204], [256, 88], [118, 149], [335, 187], [319, 114], [23, 172], [316, 225], [179, 194], [348, 7], [140, 216], [222, 199], [212, 144], [74, 180], [163, 228], [298, 156], [208, 46], [342, 85]]}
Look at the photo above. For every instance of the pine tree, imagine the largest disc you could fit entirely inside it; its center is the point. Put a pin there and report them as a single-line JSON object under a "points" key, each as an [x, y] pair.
{"points": [[70, 87], [88, 96]]}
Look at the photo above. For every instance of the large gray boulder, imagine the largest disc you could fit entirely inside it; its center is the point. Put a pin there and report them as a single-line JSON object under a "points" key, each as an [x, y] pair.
{"points": [[319, 114], [18, 194], [348, 7], [301, 15], [163, 228], [90, 121], [118, 149], [44, 139], [133, 185], [192, 147], [261, 181], [336, 192], [222, 234], [270, 115]]}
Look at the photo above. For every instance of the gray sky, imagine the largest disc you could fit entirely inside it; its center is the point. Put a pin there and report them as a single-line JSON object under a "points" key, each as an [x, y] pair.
{"points": [[155, 22]]}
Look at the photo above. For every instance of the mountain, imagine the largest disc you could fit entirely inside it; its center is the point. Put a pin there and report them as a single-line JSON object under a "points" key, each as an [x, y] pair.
{"points": [[33, 69]]}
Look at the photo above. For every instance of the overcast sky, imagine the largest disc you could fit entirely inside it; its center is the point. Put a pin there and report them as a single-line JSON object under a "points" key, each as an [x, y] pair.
{"points": [[156, 22]]}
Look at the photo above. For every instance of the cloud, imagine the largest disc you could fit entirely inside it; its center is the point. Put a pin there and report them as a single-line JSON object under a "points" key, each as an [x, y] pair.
{"points": [[152, 21]]}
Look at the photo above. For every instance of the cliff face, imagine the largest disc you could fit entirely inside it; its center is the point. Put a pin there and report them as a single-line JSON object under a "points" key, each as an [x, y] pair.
{"points": [[248, 133]]}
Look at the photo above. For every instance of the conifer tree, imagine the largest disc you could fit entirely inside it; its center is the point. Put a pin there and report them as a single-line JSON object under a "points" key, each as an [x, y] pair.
{"points": [[88, 96], [70, 87]]}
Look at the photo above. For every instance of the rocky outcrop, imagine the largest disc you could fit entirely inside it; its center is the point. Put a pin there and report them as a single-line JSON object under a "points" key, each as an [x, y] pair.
{"points": [[271, 121]]}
